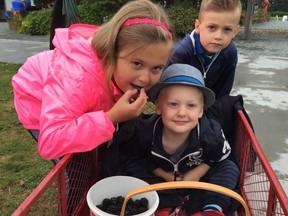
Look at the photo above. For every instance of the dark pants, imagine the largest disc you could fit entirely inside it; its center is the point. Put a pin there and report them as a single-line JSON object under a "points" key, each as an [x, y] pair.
{"points": [[224, 173]]}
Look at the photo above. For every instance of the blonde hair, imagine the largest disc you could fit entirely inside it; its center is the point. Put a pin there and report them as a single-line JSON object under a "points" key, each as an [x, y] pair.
{"points": [[220, 5], [161, 95], [113, 37]]}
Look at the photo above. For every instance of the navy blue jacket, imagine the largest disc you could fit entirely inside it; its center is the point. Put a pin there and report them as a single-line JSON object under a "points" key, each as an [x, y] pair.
{"points": [[220, 76], [206, 143]]}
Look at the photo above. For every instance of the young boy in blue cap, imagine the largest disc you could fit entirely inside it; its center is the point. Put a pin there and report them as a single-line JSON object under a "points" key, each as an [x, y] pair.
{"points": [[178, 143]]}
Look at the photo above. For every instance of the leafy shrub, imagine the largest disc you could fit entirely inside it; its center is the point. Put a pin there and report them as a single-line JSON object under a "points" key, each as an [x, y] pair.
{"points": [[36, 23], [97, 12], [183, 19], [16, 21], [279, 13], [90, 13]]}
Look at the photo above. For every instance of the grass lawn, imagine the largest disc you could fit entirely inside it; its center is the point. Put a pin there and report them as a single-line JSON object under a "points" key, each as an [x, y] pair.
{"points": [[21, 167]]}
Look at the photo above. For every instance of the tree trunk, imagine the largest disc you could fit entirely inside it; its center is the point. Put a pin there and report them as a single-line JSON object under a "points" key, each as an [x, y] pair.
{"points": [[248, 20]]}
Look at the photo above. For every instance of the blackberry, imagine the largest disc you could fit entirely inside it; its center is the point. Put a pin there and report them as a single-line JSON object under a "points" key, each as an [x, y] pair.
{"points": [[112, 209], [141, 210], [113, 206], [144, 202], [106, 202]]}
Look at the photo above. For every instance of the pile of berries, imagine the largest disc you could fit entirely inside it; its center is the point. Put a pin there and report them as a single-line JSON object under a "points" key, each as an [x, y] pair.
{"points": [[114, 205]]}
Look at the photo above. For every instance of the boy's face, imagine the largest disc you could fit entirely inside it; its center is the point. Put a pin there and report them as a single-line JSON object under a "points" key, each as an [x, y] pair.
{"points": [[180, 107], [217, 29]]}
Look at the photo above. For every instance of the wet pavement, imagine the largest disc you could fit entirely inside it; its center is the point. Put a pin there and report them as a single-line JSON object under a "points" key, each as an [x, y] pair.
{"points": [[262, 80], [16, 48], [261, 77]]}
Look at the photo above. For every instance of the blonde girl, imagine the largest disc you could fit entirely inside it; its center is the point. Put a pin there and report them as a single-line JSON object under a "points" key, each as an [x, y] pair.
{"points": [[72, 97]]}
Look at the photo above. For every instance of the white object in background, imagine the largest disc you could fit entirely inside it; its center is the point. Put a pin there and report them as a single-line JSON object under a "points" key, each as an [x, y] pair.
{"points": [[285, 17]]}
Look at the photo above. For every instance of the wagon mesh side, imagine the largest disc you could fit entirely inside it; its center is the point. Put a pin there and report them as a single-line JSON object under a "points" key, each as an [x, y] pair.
{"points": [[260, 186]]}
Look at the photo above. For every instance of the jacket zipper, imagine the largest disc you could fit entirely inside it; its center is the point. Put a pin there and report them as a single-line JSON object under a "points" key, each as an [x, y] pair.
{"points": [[175, 166], [203, 68]]}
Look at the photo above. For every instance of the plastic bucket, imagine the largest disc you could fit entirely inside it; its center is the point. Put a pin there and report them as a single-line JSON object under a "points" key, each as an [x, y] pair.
{"points": [[119, 186]]}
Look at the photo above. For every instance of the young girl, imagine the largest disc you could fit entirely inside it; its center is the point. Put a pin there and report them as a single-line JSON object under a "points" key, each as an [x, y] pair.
{"points": [[95, 78]]}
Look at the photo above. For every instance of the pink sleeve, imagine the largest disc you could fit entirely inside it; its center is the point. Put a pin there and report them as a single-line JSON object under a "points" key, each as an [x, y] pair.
{"points": [[80, 135], [73, 117], [27, 88]]}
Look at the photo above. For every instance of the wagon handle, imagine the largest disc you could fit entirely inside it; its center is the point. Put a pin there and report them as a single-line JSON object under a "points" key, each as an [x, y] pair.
{"points": [[185, 184]]}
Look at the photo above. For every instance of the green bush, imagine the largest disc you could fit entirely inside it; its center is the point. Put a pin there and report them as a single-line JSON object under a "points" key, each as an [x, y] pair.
{"points": [[36, 23], [97, 12], [183, 19], [90, 13], [16, 21], [279, 13]]}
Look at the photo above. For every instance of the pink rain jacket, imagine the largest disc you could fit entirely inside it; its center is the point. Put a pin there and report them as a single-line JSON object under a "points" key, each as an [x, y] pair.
{"points": [[63, 94]]}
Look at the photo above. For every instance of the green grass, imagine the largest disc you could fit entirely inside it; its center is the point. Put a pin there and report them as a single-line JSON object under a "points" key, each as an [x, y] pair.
{"points": [[21, 167]]}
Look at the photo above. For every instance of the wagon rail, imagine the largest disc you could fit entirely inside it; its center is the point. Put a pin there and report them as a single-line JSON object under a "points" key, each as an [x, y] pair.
{"points": [[259, 184]]}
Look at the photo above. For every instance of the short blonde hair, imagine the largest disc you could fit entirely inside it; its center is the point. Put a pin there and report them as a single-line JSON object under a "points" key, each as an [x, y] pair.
{"points": [[220, 5], [113, 37], [163, 92]]}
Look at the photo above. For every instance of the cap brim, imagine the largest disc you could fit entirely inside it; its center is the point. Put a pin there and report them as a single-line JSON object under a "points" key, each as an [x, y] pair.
{"points": [[209, 96]]}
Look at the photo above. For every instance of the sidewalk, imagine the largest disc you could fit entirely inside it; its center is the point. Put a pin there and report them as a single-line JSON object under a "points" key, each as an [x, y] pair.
{"points": [[6, 33], [264, 30], [16, 48]]}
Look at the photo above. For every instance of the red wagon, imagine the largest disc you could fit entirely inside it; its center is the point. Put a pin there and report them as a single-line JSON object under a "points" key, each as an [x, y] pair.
{"points": [[260, 186]]}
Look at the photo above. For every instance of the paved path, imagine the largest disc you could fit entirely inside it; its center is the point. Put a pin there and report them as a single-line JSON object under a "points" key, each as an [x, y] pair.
{"points": [[6, 33], [17, 48], [17, 51], [272, 25]]}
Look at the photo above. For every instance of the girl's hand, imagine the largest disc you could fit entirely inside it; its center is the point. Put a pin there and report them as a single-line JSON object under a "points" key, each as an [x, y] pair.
{"points": [[129, 106]]}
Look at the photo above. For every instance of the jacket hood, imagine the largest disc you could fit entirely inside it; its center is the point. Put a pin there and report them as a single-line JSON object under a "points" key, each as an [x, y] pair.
{"points": [[75, 43]]}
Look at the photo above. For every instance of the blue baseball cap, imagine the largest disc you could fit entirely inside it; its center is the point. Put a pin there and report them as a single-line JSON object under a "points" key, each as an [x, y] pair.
{"points": [[182, 74]]}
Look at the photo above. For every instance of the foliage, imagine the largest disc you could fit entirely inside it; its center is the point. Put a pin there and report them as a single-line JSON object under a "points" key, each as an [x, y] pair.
{"points": [[260, 16], [183, 19], [16, 21], [36, 23], [42, 3], [21, 167], [280, 6], [91, 13], [279, 13], [96, 12]]}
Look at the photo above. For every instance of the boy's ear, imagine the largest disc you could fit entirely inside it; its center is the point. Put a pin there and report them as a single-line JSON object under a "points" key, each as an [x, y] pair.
{"points": [[197, 24], [236, 31], [201, 113], [157, 109]]}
